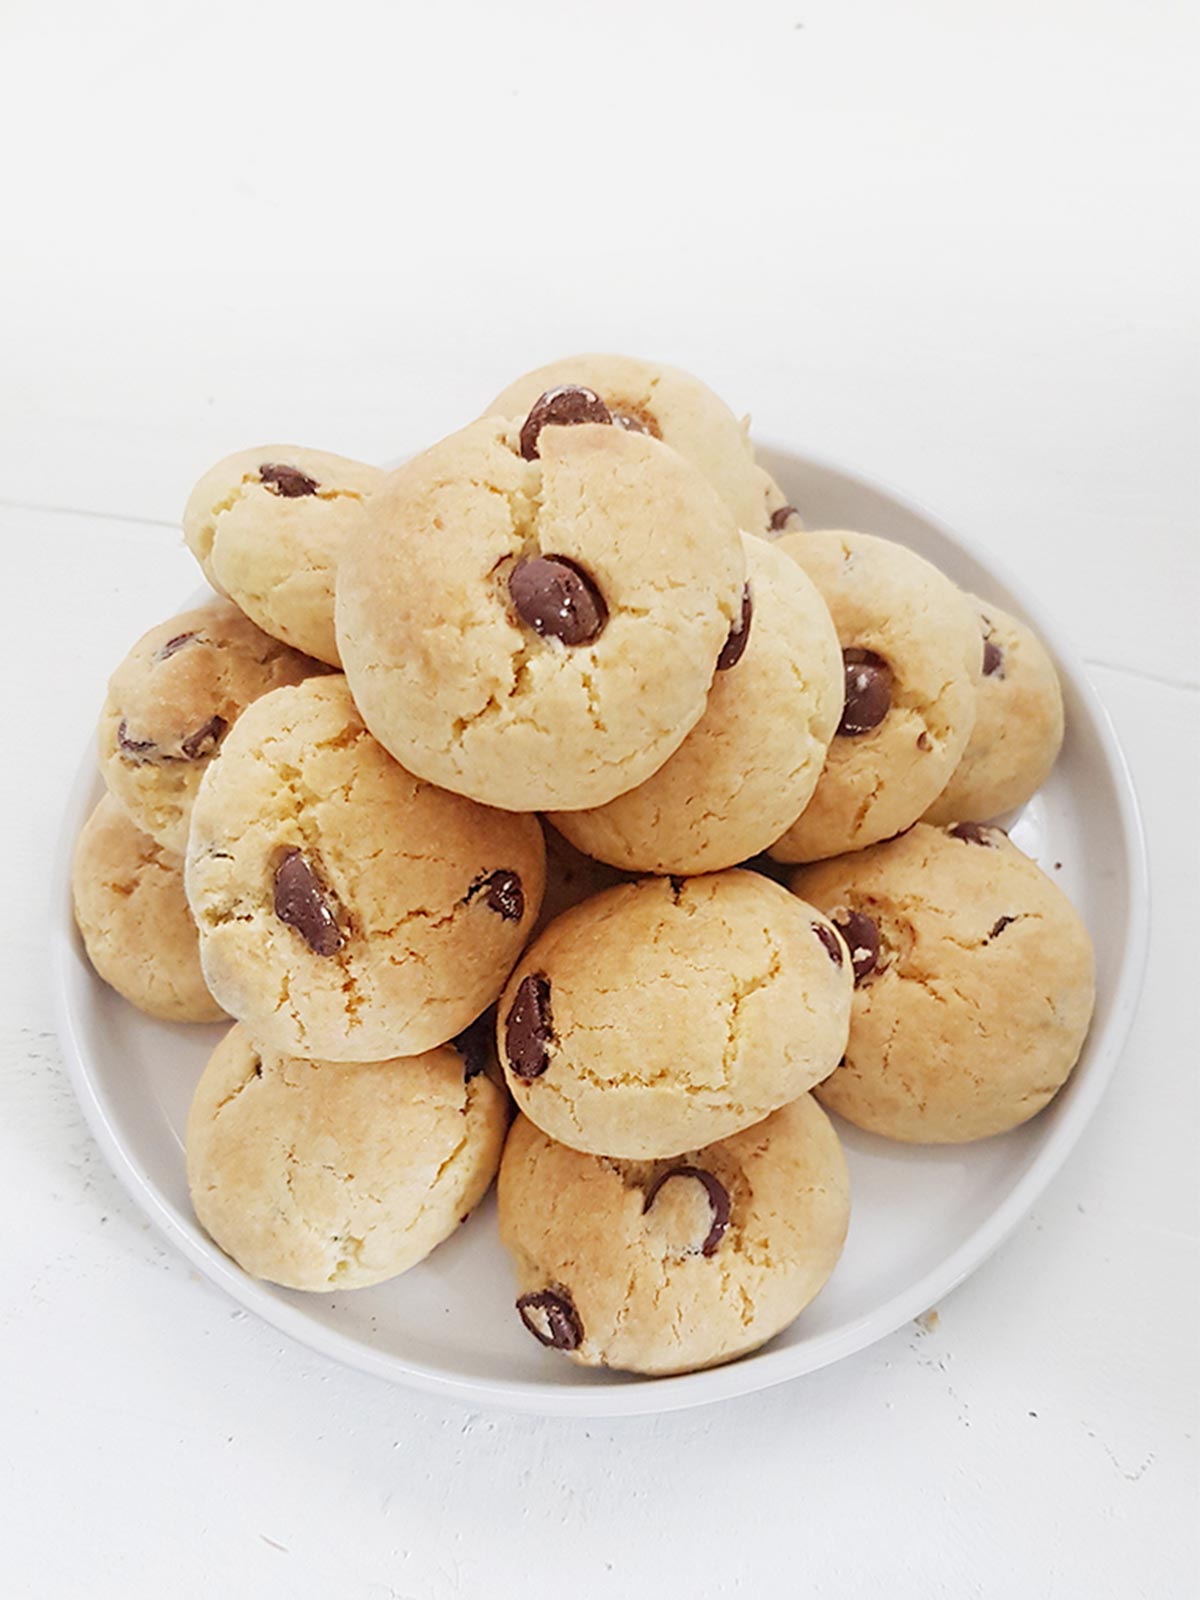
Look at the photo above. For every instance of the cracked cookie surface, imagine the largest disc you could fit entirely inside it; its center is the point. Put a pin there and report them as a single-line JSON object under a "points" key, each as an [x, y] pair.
{"points": [[749, 767], [171, 702], [457, 665], [975, 986], [911, 643], [1018, 728], [133, 916], [667, 1266], [347, 910], [663, 1014], [268, 526], [670, 405], [321, 1175]]}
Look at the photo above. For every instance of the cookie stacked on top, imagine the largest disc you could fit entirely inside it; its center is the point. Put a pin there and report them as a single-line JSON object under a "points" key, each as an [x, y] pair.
{"points": [[590, 660]]}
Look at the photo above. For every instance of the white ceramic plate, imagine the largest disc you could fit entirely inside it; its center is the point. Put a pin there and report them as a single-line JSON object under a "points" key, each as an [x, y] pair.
{"points": [[922, 1218]]}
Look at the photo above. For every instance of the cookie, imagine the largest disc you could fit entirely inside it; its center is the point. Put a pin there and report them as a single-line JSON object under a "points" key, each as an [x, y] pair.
{"points": [[347, 910], [666, 1266], [1018, 724], [911, 648], [749, 766], [571, 877], [974, 984], [534, 613], [663, 1014], [647, 397], [268, 526], [317, 1175], [172, 701], [131, 911]]}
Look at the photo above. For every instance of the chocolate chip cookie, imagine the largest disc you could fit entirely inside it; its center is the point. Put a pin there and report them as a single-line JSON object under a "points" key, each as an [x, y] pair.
{"points": [[666, 1266], [664, 1014], [320, 1175], [910, 644], [267, 526], [347, 910], [647, 397], [974, 984], [1018, 728], [133, 916], [534, 612], [749, 766], [172, 701]]}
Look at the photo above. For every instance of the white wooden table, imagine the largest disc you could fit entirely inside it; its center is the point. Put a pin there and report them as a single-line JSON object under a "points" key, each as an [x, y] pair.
{"points": [[945, 245]]}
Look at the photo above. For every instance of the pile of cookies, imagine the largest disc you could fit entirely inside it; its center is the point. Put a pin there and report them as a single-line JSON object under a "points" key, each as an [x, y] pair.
{"points": [[564, 768]]}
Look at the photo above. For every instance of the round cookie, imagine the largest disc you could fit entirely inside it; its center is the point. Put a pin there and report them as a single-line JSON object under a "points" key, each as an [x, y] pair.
{"points": [[319, 1176], [911, 647], [750, 765], [347, 910], [647, 397], [539, 630], [667, 1266], [170, 704], [268, 526], [571, 877], [974, 984], [1018, 724], [131, 910], [663, 1014]]}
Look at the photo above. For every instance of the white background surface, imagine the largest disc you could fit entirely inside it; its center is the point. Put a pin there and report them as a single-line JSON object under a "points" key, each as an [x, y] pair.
{"points": [[945, 244]]}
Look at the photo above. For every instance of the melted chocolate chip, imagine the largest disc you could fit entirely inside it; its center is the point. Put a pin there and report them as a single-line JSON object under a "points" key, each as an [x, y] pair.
{"points": [[529, 1028], [474, 1044], [177, 643], [551, 1319], [831, 942], [302, 901], [734, 647], [135, 749], [718, 1199], [288, 482], [557, 599], [502, 893], [205, 740], [634, 419], [993, 660], [971, 833], [862, 940], [868, 692], [563, 407], [781, 516]]}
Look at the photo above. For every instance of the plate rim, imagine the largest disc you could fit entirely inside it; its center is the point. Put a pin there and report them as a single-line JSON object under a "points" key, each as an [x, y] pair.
{"points": [[641, 1396]]}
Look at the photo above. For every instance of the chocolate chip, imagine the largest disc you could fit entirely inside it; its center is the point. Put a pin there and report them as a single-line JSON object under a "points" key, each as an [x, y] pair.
{"points": [[551, 1319], [288, 482], [563, 407], [781, 516], [177, 643], [205, 740], [831, 942], [135, 749], [634, 419], [474, 1044], [971, 833], [993, 660], [529, 1028], [868, 692], [734, 647], [556, 598], [502, 893], [302, 901], [999, 926], [718, 1200], [862, 940]]}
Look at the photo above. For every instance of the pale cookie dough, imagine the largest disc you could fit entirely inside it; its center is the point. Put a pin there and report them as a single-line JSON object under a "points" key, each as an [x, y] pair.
{"points": [[647, 397], [571, 877], [539, 633], [666, 1266], [347, 910], [911, 646], [132, 913], [749, 766], [664, 1014], [974, 984], [317, 1175], [1018, 724], [268, 526]]}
